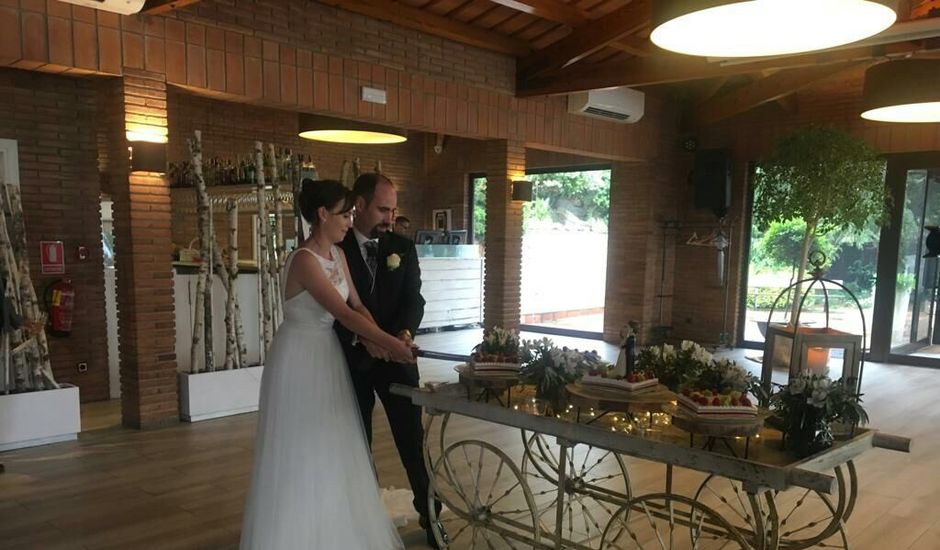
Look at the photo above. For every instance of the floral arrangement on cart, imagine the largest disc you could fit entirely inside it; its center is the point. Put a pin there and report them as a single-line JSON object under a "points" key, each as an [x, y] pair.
{"points": [[550, 368], [500, 349], [808, 408]]}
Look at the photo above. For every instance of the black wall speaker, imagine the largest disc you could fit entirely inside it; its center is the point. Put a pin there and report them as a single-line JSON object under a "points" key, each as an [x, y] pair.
{"points": [[711, 178]]}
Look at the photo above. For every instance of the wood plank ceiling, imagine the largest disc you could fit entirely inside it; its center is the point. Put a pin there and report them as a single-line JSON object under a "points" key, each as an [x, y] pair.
{"points": [[563, 46], [571, 45]]}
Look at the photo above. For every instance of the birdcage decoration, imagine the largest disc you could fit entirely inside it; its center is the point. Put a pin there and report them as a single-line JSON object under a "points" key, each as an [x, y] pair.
{"points": [[808, 348]]}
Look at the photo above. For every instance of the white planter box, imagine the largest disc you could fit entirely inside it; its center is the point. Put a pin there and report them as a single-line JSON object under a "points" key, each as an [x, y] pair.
{"points": [[39, 418], [208, 395]]}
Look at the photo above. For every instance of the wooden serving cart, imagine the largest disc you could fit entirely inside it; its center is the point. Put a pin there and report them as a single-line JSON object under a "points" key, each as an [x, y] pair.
{"points": [[571, 488]]}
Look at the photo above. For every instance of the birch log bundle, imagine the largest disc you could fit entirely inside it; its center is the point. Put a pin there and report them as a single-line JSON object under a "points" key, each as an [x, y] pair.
{"points": [[202, 320], [346, 175], [234, 335], [263, 274], [273, 173], [276, 244], [25, 365]]}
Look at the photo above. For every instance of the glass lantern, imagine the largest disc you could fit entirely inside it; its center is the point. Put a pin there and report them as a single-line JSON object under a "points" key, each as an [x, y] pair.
{"points": [[802, 348]]}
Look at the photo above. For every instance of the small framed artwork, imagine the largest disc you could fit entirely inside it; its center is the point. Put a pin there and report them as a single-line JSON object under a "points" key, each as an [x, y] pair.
{"points": [[442, 219], [9, 162]]}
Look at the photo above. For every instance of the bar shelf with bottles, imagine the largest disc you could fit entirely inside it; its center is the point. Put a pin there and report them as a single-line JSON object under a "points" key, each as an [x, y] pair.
{"points": [[221, 171]]}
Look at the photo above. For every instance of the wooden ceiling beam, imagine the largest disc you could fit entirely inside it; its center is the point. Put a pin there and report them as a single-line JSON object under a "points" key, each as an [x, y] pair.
{"points": [[668, 68], [774, 87], [711, 88], [568, 14], [552, 10], [587, 39], [399, 13], [156, 7], [634, 45]]}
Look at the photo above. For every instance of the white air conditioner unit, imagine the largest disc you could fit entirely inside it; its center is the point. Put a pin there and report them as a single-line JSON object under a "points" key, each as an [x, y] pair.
{"points": [[124, 7], [612, 104]]}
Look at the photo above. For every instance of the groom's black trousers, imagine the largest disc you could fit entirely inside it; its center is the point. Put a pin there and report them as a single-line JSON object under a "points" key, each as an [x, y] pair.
{"points": [[403, 417]]}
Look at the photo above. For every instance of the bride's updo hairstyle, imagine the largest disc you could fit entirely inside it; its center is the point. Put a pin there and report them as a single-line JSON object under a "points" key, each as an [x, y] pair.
{"points": [[329, 194]]}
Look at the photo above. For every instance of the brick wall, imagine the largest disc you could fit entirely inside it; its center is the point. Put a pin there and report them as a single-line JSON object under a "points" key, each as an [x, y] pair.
{"points": [[316, 63], [502, 279], [699, 304], [53, 120], [142, 229], [231, 129], [359, 38], [640, 250]]}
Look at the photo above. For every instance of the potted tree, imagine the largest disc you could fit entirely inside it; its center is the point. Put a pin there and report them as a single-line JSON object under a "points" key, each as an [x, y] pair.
{"points": [[825, 178]]}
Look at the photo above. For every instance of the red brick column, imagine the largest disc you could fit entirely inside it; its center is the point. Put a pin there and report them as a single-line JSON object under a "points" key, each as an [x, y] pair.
{"points": [[642, 196], [143, 246], [502, 282]]}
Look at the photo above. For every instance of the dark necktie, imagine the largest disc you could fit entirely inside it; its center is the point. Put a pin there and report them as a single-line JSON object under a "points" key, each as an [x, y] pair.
{"points": [[372, 256]]}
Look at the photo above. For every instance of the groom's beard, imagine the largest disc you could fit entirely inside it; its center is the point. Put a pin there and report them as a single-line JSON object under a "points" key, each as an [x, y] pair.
{"points": [[378, 230]]}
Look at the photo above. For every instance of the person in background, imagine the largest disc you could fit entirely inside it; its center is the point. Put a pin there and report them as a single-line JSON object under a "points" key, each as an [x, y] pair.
{"points": [[402, 226]]}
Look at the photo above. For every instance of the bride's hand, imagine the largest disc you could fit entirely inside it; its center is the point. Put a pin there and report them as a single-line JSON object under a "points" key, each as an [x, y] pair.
{"points": [[402, 353]]}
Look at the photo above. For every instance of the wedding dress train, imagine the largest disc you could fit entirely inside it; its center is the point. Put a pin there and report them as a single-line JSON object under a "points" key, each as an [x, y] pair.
{"points": [[313, 485]]}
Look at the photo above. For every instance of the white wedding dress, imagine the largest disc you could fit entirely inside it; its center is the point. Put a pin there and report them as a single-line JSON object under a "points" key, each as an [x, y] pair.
{"points": [[313, 485]]}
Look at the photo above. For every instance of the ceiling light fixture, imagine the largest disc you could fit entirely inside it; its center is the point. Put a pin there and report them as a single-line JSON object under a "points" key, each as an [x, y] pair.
{"points": [[335, 130], [906, 90], [750, 28]]}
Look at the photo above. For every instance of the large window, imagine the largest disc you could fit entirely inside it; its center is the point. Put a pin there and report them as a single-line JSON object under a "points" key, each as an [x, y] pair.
{"points": [[852, 259], [564, 247]]}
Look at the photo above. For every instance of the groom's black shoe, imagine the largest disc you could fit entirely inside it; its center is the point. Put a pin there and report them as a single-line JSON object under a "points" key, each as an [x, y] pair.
{"points": [[429, 531]]}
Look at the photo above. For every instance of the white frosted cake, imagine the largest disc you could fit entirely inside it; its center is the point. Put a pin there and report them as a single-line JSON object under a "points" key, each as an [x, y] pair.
{"points": [[495, 366], [618, 383]]}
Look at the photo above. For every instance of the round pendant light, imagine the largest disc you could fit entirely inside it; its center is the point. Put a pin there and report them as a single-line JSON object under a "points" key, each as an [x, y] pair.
{"points": [[906, 90], [335, 130], [752, 28]]}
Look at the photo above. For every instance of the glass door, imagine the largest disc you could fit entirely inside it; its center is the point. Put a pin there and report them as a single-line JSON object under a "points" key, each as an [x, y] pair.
{"points": [[915, 295], [906, 328]]}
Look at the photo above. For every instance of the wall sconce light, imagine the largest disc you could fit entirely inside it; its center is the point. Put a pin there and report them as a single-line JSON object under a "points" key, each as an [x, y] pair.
{"points": [[336, 130], [147, 156], [146, 132], [906, 90], [522, 191], [748, 28]]}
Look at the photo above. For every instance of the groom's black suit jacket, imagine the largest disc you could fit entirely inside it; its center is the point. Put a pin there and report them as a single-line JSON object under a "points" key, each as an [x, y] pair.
{"points": [[394, 300], [396, 303]]}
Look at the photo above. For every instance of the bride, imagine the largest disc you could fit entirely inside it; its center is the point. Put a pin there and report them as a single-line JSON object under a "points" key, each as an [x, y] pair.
{"points": [[313, 484]]}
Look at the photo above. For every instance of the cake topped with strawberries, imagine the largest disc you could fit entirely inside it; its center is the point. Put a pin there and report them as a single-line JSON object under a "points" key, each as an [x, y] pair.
{"points": [[713, 403], [721, 389]]}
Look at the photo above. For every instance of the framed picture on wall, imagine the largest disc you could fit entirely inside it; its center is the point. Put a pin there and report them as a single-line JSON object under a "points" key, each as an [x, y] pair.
{"points": [[442, 219], [9, 162]]}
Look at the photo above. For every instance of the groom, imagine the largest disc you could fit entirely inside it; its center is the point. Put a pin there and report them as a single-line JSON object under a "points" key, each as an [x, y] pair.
{"points": [[384, 268]]}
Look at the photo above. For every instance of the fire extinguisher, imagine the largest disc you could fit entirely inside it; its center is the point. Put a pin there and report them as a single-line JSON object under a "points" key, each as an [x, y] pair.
{"points": [[60, 303]]}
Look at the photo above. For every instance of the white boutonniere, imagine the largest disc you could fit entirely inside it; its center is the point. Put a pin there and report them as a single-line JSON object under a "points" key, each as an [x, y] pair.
{"points": [[393, 262]]}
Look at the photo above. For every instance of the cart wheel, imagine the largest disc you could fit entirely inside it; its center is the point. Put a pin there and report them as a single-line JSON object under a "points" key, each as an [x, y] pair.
{"points": [[664, 521], [795, 518], [487, 503], [596, 486]]}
